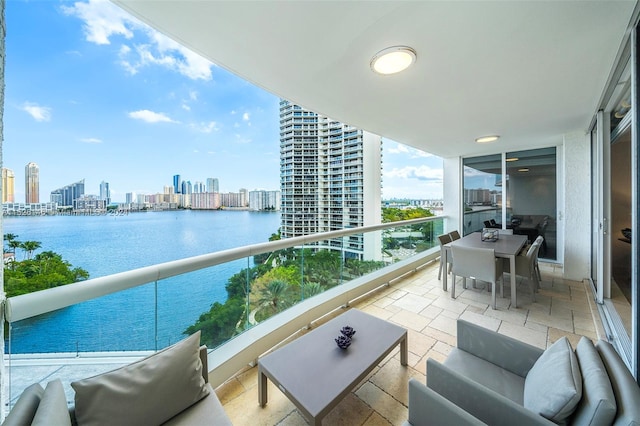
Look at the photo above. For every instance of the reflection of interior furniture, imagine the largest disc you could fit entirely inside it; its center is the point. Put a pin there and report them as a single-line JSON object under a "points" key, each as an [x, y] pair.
{"points": [[507, 247], [526, 267], [444, 239], [492, 224], [499, 380], [476, 263], [316, 375], [169, 387]]}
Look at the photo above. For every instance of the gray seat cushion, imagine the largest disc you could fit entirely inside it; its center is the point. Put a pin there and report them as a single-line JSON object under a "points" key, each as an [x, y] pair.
{"points": [[207, 411], [487, 374], [553, 386], [623, 384], [25, 408], [53, 408], [598, 403]]}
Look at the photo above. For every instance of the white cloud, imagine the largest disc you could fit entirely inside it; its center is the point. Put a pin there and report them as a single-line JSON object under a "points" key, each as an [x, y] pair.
{"points": [[424, 173], [150, 116], [205, 127], [245, 116], [242, 140], [404, 149], [39, 113], [91, 140], [103, 20]]}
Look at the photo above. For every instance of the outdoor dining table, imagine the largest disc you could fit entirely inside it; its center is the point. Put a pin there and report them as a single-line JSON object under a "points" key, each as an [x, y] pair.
{"points": [[507, 246]]}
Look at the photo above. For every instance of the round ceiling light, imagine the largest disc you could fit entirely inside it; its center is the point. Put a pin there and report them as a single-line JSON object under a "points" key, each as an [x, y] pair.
{"points": [[485, 139], [393, 60]]}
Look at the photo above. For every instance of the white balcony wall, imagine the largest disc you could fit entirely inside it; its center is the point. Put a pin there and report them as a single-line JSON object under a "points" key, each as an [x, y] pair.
{"points": [[452, 190], [576, 211]]}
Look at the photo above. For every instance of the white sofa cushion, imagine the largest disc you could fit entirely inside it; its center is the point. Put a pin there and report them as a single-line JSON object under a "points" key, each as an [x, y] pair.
{"points": [[553, 386], [149, 391]]}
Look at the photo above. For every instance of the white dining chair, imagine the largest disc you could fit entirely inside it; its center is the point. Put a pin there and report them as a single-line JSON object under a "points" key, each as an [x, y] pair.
{"points": [[444, 239], [526, 267], [478, 264], [540, 241]]}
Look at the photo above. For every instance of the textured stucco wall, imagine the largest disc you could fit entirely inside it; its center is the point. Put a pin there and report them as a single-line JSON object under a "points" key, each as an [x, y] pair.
{"points": [[452, 175], [577, 206], [3, 31]]}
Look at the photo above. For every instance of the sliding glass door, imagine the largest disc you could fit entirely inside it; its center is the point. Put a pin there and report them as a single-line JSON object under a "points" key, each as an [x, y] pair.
{"points": [[525, 200]]}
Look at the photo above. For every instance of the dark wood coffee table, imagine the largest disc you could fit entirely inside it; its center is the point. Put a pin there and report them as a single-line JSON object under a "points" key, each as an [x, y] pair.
{"points": [[315, 374]]}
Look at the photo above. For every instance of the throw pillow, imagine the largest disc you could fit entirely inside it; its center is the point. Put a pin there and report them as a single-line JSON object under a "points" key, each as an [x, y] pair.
{"points": [[149, 391], [53, 408], [598, 403], [553, 386]]}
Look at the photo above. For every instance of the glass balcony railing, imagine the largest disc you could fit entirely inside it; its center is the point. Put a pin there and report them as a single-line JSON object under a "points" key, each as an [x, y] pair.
{"points": [[225, 295]]}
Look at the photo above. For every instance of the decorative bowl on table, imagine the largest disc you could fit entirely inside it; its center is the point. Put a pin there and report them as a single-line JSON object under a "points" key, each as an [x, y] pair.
{"points": [[348, 331], [343, 341], [489, 234]]}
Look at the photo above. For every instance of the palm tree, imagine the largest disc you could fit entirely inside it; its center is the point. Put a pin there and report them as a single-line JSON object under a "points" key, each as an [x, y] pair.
{"points": [[275, 295], [10, 238], [29, 247]]}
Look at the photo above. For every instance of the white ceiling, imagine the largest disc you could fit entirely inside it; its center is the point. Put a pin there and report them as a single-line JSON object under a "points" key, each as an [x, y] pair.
{"points": [[529, 71]]}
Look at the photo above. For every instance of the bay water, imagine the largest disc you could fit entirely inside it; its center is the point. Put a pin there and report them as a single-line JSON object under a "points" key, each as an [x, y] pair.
{"points": [[149, 316]]}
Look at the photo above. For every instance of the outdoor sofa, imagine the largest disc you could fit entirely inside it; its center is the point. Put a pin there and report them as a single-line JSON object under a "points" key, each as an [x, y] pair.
{"points": [[169, 387], [493, 379]]}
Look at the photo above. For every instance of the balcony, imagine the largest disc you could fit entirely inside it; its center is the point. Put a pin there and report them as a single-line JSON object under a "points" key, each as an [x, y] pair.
{"points": [[406, 292]]}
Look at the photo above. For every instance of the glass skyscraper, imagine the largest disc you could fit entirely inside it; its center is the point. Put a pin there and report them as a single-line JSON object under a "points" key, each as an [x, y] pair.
{"points": [[31, 183], [324, 167]]}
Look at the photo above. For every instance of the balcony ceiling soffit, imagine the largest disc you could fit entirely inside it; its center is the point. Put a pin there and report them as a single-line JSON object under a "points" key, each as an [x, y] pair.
{"points": [[529, 71]]}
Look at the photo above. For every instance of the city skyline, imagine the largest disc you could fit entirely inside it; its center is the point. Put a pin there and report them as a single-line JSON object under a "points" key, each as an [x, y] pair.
{"points": [[133, 108]]}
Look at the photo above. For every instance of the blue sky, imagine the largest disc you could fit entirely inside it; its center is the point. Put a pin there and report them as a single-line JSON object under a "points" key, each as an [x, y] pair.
{"points": [[91, 93]]}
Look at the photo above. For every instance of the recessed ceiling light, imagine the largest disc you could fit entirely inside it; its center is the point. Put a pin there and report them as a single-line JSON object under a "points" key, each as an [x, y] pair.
{"points": [[523, 170], [393, 60], [485, 139], [512, 159]]}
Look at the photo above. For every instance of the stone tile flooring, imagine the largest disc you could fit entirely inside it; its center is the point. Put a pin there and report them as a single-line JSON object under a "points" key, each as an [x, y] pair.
{"points": [[418, 303]]}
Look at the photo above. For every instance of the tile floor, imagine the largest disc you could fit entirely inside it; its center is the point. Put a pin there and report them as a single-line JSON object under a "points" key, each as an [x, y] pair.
{"points": [[418, 303]]}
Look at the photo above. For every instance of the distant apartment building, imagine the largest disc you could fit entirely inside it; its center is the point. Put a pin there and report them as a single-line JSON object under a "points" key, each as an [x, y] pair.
{"points": [[105, 193], [31, 183], [325, 167], [29, 209], [212, 185], [65, 196], [233, 199], [89, 204], [205, 201], [199, 187], [264, 200], [8, 185]]}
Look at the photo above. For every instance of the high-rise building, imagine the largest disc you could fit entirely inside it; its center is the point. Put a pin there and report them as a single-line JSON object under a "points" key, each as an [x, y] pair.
{"points": [[8, 186], [31, 183], [264, 200], [66, 195], [212, 185], [105, 193], [325, 166], [177, 184]]}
